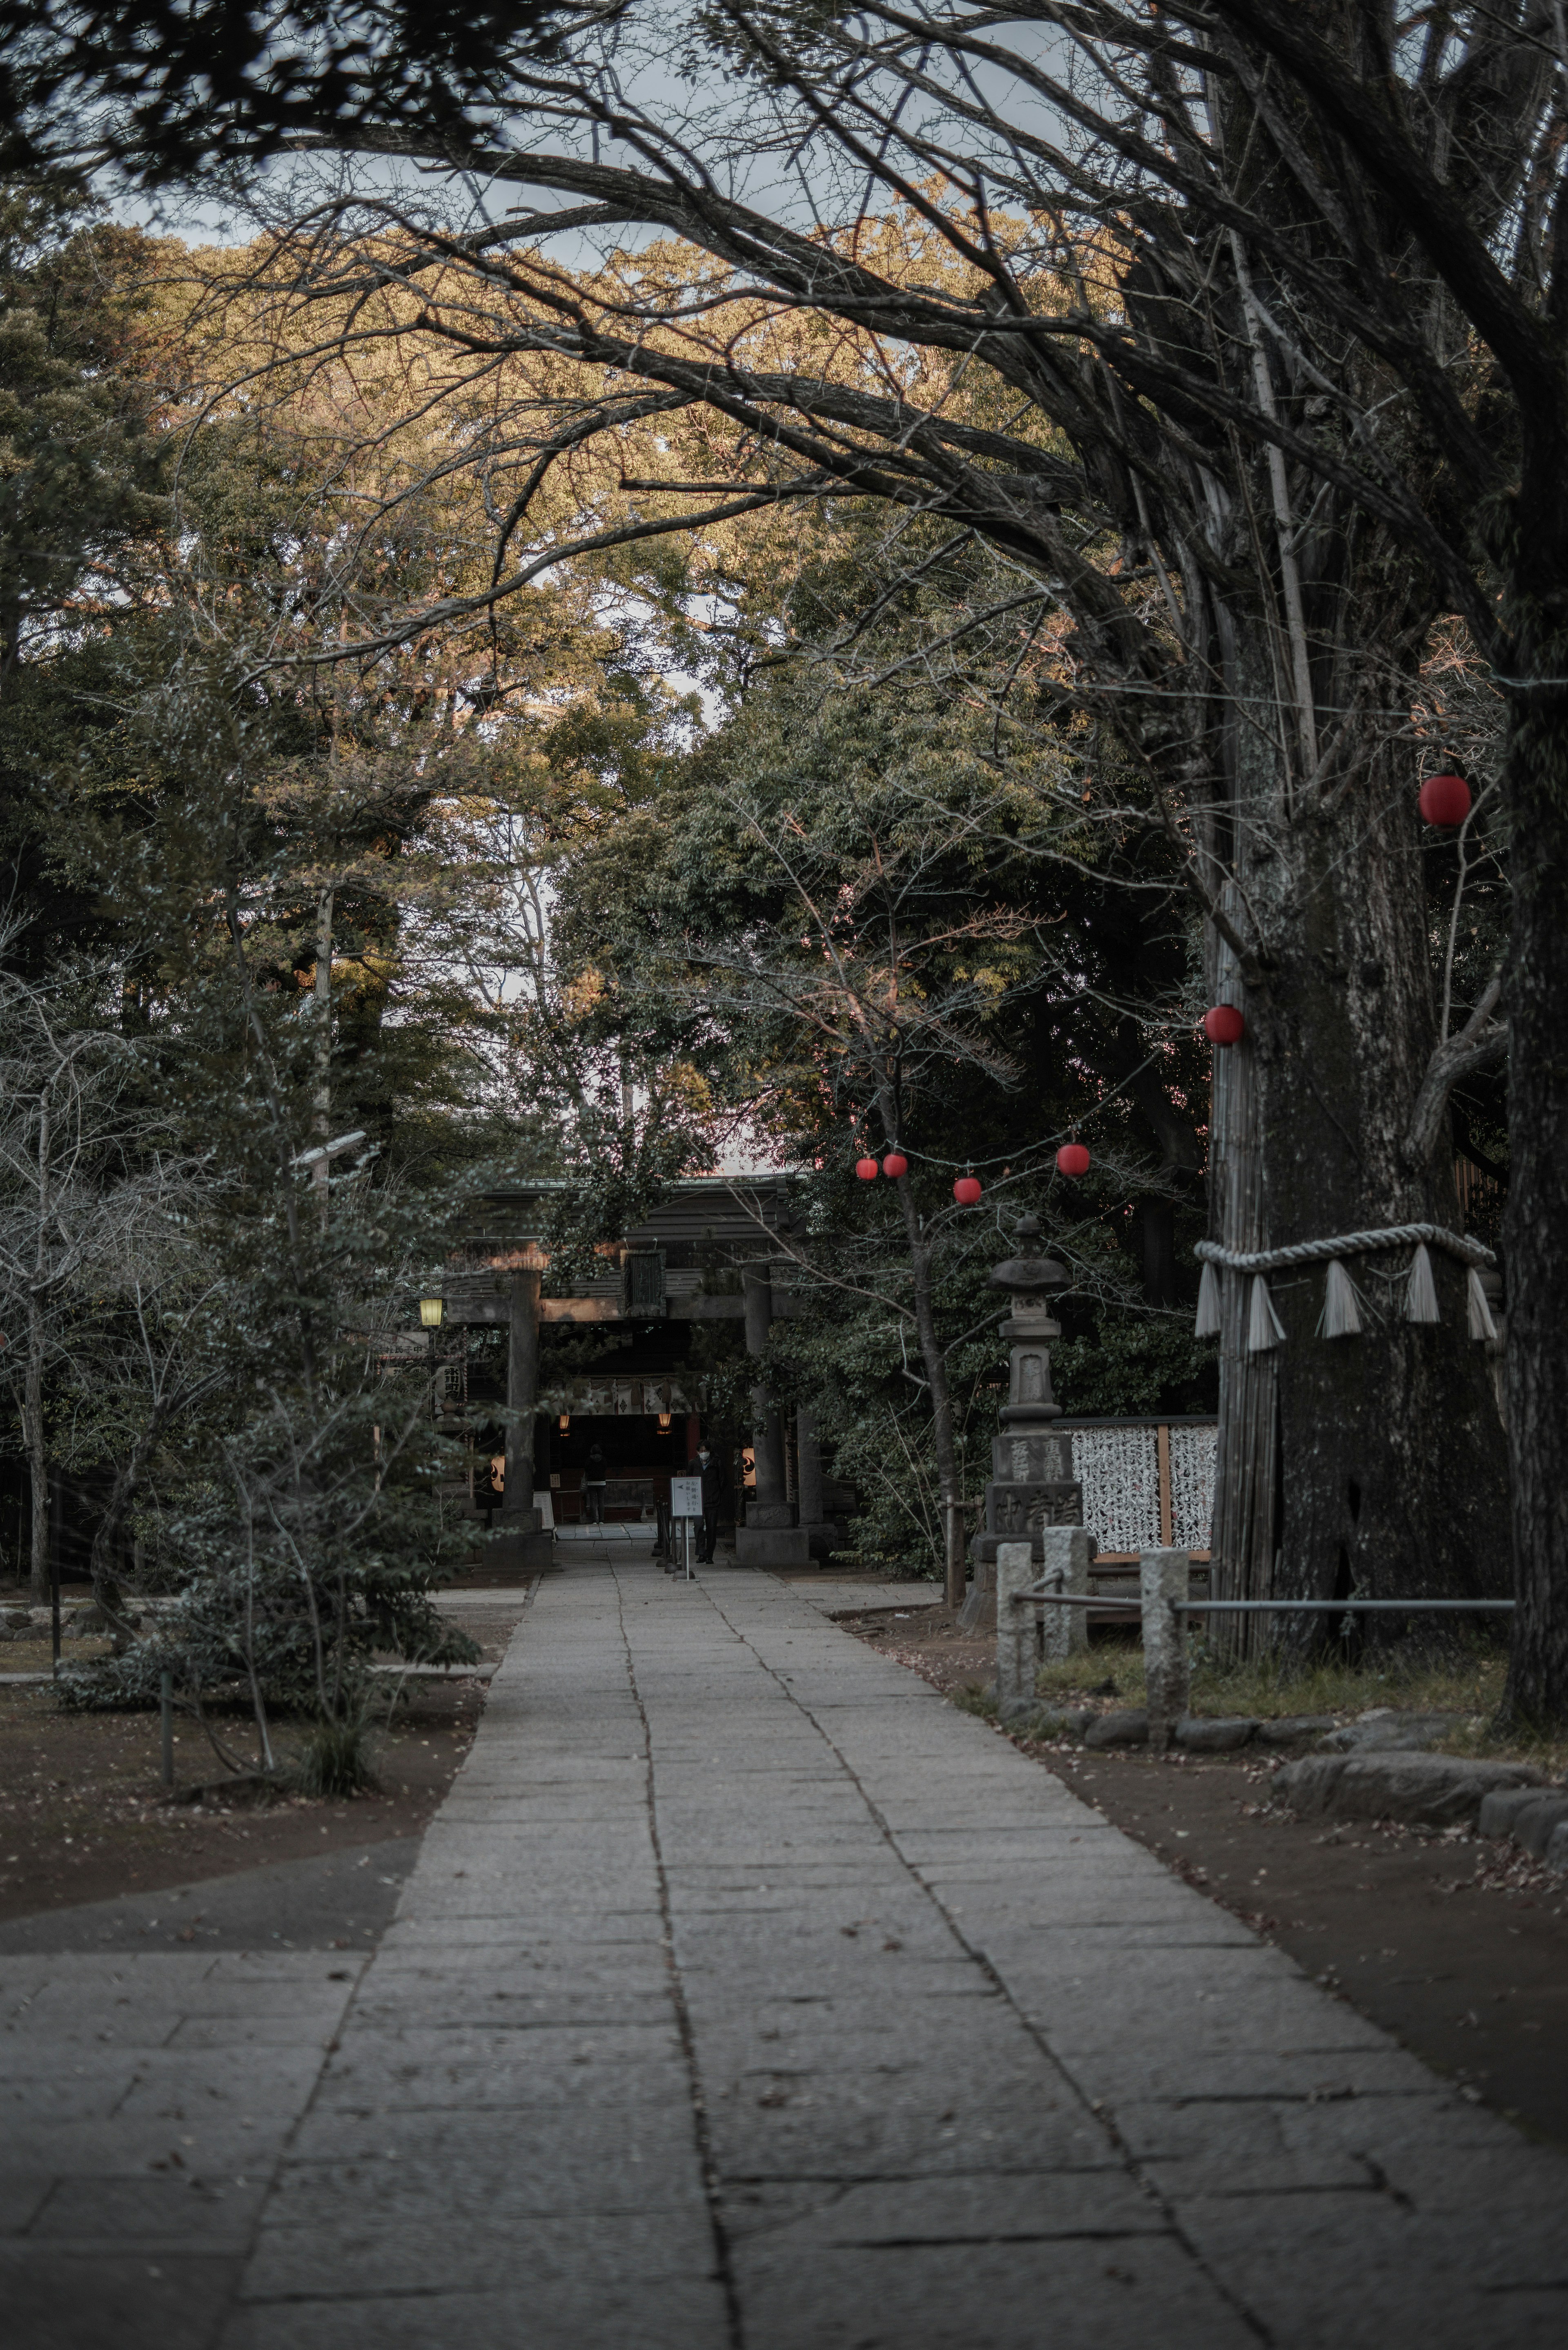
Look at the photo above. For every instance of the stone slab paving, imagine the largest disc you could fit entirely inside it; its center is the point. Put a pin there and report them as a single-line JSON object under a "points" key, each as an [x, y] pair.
{"points": [[746, 1993], [145, 2101], [746, 1996]]}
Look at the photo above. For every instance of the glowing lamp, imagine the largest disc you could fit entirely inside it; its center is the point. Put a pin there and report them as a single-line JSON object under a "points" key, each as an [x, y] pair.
{"points": [[867, 1169], [1444, 800], [895, 1165], [1073, 1159], [967, 1190], [430, 1312], [564, 1423]]}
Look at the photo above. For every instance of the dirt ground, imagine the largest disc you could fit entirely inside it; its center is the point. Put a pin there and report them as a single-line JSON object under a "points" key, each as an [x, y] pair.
{"points": [[1457, 1947], [84, 1816]]}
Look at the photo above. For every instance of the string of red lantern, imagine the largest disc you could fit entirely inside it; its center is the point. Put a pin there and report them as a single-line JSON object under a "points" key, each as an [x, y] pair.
{"points": [[1444, 800], [1224, 1025]]}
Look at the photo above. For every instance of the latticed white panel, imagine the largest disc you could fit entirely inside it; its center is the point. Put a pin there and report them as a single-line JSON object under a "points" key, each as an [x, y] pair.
{"points": [[1192, 1451], [1118, 1469]]}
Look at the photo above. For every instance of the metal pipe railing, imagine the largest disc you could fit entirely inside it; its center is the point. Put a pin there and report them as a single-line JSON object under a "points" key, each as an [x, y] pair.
{"points": [[1268, 1606], [1163, 1607]]}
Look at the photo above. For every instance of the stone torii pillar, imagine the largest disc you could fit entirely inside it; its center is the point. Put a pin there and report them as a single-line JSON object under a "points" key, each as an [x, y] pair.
{"points": [[521, 1547], [769, 1535]]}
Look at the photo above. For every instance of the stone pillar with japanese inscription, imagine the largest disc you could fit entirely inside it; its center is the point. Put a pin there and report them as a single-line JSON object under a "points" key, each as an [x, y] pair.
{"points": [[1032, 1485]]}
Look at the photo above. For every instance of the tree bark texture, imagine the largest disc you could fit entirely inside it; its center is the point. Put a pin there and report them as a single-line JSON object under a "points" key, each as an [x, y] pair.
{"points": [[1393, 1469], [1246, 1467], [1372, 1464], [1536, 1222], [38, 1457]]}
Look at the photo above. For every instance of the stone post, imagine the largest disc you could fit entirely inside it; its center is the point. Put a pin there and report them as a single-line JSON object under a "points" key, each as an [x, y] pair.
{"points": [[769, 1537], [1163, 1575], [1066, 1568], [1017, 1641]]}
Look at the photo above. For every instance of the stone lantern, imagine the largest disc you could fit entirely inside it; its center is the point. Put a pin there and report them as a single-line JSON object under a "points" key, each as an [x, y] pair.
{"points": [[1032, 1484]]}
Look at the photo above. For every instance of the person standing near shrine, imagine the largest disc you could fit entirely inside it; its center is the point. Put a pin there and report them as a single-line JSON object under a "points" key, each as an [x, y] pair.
{"points": [[709, 1526], [488, 1486], [594, 1486]]}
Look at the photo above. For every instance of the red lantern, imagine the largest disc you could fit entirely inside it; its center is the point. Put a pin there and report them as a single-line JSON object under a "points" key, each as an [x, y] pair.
{"points": [[867, 1169], [1224, 1025], [967, 1190], [895, 1165], [1445, 799], [1073, 1159]]}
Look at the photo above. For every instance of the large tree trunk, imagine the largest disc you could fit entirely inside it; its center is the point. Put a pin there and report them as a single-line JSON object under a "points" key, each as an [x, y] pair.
{"points": [[1373, 1465], [1246, 1467], [1536, 1225], [1245, 758], [1392, 1461]]}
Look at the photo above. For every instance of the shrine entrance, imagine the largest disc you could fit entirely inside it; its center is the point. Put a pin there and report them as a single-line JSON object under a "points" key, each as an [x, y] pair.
{"points": [[639, 1453], [607, 1370]]}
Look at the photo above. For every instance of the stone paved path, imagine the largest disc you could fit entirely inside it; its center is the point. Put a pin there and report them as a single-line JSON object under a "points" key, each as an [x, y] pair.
{"points": [[745, 1993]]}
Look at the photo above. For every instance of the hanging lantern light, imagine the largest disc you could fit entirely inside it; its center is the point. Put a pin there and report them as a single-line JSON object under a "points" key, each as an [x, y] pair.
{"points": [[664, 1423], [967, 1190], [430, 1312], [1444, 800], [895, 1165], [564, 1423], [1223, 1025], [1073, 1159], [867, 1169]]}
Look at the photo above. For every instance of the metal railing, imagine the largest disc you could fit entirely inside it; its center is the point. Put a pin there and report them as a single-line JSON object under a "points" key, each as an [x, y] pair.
{"points": [[1163, 1607], [1051, 1598]]}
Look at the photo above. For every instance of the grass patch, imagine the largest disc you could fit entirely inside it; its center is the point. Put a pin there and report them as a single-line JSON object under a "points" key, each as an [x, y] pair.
{"points": [[335, 1760], [970, 1698], [1467, 1679]]}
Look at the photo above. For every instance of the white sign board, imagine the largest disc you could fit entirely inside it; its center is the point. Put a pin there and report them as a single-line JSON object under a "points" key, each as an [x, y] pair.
{"points": [[686, 1497]]}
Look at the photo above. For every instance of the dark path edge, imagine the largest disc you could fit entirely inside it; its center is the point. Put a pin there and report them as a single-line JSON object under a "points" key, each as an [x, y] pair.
{"points": [[343, 1899]]}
